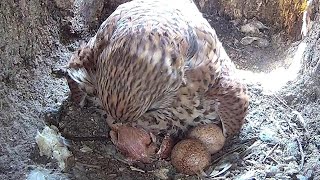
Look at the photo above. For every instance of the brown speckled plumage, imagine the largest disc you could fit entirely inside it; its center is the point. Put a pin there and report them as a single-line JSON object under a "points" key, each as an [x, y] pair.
{"points": [[159, 65]]}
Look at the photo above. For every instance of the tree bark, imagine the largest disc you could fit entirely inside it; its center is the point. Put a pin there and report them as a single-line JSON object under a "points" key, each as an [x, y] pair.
{"points": [[29, 33], [28, 28], [280, 14]]}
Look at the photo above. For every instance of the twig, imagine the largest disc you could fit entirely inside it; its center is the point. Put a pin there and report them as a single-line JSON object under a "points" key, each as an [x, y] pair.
{"points": [[222, 169], [123, 161], [85, 138], [253, 162], [301, 154], [218, 178], [137, 169], [270, 157], [1, 105], [250, 148], [270, 152], [88, 165], [284, 103], [241, 149], [300, 118], [226, 154]]}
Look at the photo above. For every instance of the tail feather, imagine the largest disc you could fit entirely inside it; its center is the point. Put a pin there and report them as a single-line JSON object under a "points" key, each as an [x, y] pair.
{"points": [[81, 84], [76, 94]]}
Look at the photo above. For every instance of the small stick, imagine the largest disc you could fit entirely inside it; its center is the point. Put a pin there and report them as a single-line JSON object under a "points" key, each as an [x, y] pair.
{"points": [[300, 118], [86, 138], [284, 103], [270, 152], [302, 154], [88, 165], [137, 169], [225, 167]]}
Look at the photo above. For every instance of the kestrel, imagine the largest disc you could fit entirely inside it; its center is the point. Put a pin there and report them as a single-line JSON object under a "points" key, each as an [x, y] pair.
{"points": [[158, 65]]}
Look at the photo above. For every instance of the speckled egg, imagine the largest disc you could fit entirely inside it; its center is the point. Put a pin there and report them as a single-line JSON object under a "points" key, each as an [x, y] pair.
{"points": [[211, 135], [190, 156]]}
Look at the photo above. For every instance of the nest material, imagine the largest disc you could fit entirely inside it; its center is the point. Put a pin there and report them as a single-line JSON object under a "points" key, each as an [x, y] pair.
{"points": [[281, 15]]}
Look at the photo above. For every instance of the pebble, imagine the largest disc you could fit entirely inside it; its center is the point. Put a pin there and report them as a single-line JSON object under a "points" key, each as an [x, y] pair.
{"points": [[301, 177], [292, 148], [289, 159], [162, 173], [272, 171], [253, 27], [247, 175], [267, 135], [85, 148], [260, 42]]}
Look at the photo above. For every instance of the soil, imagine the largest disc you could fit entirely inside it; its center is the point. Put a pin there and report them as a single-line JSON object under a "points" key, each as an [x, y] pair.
{"points": [[280, 140]]}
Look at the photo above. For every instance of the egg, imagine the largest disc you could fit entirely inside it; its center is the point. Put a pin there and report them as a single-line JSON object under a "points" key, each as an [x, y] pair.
{"points": [[190, 156], [210, 135]]}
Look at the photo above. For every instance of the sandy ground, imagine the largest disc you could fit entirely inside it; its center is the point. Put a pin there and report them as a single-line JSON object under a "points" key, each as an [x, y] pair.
{"points": [[280, 140]]}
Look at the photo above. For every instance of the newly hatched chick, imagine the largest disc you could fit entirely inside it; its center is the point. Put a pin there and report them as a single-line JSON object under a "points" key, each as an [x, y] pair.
{"points": [[158, 65], [135, 143]]}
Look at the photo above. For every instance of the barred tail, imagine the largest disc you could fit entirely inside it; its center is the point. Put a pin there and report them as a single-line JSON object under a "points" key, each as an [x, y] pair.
{"points": [[81, 84]]}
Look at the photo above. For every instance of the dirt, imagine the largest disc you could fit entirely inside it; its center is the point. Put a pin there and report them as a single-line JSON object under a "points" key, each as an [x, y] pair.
{"points": [[280, 140]]}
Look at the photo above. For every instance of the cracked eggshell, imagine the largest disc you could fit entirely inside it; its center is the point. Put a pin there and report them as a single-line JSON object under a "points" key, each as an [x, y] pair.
{"points": [[52, 144]]}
